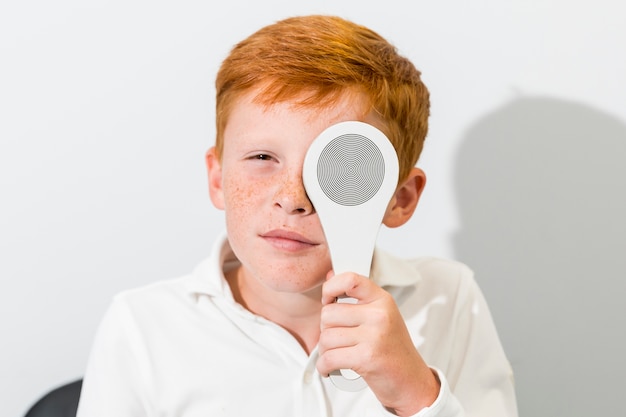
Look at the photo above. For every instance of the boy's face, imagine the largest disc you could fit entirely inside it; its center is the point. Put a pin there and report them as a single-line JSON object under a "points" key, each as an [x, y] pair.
{"points": [[272, 226]]}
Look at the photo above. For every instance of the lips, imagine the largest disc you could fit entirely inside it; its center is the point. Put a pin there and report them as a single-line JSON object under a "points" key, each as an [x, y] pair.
{"points": [[288, 240]]}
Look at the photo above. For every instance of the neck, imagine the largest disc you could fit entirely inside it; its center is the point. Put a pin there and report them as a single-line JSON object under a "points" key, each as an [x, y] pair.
{"points": [[298, 313]]}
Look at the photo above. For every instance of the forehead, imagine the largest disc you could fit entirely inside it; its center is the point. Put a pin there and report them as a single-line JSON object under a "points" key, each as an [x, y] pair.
{"points": [[252, 111]]}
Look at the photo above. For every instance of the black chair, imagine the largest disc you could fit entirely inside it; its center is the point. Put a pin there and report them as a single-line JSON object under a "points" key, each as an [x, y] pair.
{"points": [[60, 402]]}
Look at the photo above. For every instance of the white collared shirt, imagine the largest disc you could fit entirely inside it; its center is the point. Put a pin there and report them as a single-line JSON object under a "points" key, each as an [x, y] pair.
{"points": [[185, 348]]}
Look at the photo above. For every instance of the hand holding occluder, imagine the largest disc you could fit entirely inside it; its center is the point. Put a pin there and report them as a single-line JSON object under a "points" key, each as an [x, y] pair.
{"points": [[371, 338]]}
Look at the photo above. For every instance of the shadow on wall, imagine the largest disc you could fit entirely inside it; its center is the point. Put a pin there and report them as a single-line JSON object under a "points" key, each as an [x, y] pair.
{"points": [[541, 186]]}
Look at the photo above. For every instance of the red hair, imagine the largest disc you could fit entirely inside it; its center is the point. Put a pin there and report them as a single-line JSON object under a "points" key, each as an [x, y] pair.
{"points": [[319, 58]]}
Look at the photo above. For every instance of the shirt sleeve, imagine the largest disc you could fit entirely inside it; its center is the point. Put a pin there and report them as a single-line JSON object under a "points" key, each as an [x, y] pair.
{"points": [[476, 377], [445, 405], [479, 374], [114, 369]]}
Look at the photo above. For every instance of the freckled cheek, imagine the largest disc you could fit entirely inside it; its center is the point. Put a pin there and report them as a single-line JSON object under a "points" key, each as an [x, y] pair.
{"points": [[245, 197]]}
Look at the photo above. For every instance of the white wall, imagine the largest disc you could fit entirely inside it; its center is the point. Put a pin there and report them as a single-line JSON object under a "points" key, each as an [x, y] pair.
{"points": [[107, 107]]}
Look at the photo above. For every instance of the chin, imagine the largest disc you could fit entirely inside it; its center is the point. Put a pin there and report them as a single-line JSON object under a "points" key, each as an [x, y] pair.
{"points": [[293, 283]]}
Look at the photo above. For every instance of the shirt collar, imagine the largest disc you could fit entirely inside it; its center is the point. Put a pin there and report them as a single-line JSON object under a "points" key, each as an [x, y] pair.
{"points": [[208, 277]]}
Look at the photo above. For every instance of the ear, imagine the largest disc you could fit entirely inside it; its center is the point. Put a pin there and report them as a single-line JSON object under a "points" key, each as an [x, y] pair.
{"points": [[214, 170], [405, 199]]}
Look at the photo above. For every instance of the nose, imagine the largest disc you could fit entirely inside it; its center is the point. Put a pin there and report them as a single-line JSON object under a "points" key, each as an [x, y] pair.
{"points": [[291, 196]]}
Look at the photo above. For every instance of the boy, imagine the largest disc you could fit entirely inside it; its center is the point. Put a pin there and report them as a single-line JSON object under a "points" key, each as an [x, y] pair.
{"points": [[255, 329]]}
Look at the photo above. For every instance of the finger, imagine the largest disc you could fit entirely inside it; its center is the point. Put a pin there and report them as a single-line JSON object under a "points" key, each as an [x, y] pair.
{"points": [[342, 315], [349, 284], [348, 357], [336, 338]]}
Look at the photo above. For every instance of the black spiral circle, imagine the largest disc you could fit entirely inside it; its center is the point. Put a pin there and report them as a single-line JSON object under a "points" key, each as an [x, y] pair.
{"points": [[350, 169]]}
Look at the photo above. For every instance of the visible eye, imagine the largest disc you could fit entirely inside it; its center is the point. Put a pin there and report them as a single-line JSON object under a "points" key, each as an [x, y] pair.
{"points": [[262, 157]]}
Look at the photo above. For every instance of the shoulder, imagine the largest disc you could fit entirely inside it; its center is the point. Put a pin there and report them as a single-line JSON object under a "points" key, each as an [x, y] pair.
{"points": [[445, 271], [204, 278], [447, 277], [390, 270], [424, 281], [151, 303]]}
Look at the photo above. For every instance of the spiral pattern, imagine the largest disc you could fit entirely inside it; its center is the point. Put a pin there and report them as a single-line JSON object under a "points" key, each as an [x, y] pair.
{"points": [[350, 169]]}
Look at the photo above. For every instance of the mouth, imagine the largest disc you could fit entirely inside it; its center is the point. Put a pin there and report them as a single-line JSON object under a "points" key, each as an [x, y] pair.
{"points": [[287, 240]]}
